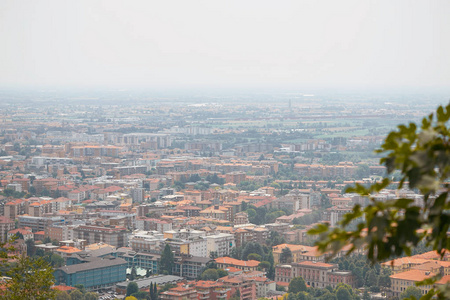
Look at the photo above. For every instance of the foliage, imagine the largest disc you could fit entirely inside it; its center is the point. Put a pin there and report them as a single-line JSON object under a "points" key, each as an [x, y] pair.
{"points": [[308, 219], [296, 285], [31, 248], [133, 273], [222, 273], [411, 291], [249, 186], [30, 279], [396, 226], [141, 295], [132, 288], [153, 291], [62, 295], [254, 256], [365, 273], [210, 274], [81, 288], [286, 255], [130, 298], [53, 259], [275, 239], [76, 295], [264, 265], [167, 260], [393, 228], [91, 296], [343, 294], [252, 248]]}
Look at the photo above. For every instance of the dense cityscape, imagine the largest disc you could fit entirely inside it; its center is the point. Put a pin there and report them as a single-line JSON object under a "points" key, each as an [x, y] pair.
{"points": [[224, 150], [199, 197]]}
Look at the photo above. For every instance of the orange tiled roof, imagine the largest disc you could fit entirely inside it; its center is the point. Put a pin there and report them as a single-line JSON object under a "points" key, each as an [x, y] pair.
{"points": [[63, 288], [68, 249], [413, 275], [237, 262]]}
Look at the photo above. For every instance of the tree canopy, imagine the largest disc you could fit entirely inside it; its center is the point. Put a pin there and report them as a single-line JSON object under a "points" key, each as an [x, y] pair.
{"points": [[393, 228], [30, 279], [167, 260], [132, 288], [296, 285]]}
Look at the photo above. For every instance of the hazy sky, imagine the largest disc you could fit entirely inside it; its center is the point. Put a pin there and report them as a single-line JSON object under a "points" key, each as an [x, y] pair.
{"points": [[164, 43]]}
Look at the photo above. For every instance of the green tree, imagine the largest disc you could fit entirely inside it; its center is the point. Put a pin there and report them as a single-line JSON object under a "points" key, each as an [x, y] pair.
{"points": [[210, 274], [76, 295], [371, 278], [286, 255], [133, 273], [393, 228], [131, 298], [328, 296], [297, 284], [81, 288], [366, 295], [62, 295], [56, 260], [252, 248], [153, 291], [254, 256], [141, 295], [222, 273], [167, 260], [384, 281], [31, 248], [91, 296], [264, 265], [30, 279], [342, 293], [132, 288], [410, 292]]}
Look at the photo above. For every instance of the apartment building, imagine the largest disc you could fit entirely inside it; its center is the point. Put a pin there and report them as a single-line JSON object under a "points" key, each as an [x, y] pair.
{"points": [[212, 290], [315, 274], [117, 237], [39, 223], [244, 265], [96, 151], [221, 243], [245, 286], [401, 281], [26, 233], [14, 208], [299, 253], [184, 292], [6, 224], [235, 177]]}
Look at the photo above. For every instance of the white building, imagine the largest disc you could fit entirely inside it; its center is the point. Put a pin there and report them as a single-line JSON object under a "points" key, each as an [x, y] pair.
{"points": [[198, 247], [146, 241], [220, 243]]}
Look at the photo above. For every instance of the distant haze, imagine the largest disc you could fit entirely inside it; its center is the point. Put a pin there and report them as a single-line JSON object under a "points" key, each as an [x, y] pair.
{"points": [[189, 43]]}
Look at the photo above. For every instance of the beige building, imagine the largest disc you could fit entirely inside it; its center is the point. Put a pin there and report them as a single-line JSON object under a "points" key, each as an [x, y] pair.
{"points": [[401, 281], [6, 224]]}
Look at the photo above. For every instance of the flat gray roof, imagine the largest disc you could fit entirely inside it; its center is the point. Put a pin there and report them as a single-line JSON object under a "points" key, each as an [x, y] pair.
{"points": [[158, 279], [94, 264]]}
